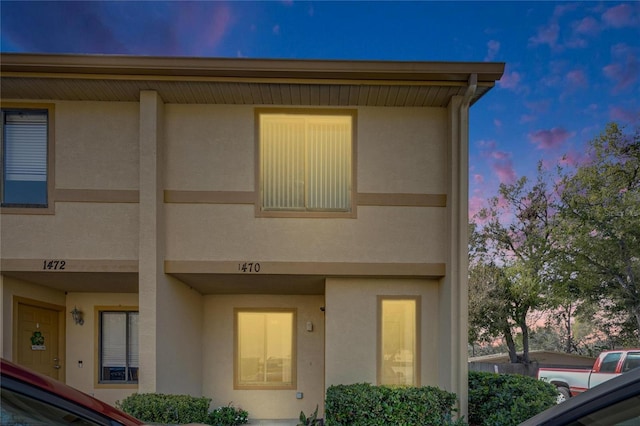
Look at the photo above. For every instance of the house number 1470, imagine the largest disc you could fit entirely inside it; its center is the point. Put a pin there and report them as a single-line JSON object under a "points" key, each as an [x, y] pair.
{"points": [[249, 267]]}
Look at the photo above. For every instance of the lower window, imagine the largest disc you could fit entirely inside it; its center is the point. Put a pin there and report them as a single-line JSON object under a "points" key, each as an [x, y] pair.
{"points": [[265, 356], [398, 353], [118, 347]]}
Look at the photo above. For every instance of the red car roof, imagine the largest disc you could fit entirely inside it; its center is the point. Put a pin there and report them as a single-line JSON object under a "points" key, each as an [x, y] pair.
{"points": [[53, 386]]}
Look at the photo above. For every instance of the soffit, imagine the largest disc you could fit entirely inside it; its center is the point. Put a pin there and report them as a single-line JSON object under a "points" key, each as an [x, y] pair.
{"points": [[242, 81]]}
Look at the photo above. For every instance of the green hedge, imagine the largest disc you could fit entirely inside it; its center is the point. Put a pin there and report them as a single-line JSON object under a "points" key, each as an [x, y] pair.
{"points": [[364, 404], [179, 409], [507, 399]]}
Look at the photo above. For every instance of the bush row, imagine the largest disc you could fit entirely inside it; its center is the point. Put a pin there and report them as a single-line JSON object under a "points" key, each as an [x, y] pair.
{"points": [[507, 399], [494, 400], [180, 409], [364, 404]]}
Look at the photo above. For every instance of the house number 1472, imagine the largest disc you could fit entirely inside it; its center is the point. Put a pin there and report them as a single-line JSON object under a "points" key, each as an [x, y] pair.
{"points": [[53, 264], [249, 267]]}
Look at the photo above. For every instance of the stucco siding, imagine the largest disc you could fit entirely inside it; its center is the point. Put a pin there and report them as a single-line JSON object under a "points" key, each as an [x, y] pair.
{"points": [[76, 231], [351, 327], [209, 147], [402, 150], [380, 234], [218, 350], [82, 354], [96, 145]]}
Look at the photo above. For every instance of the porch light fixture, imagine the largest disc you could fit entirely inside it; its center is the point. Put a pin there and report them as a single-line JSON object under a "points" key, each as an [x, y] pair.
{"points": [[76, 314]]}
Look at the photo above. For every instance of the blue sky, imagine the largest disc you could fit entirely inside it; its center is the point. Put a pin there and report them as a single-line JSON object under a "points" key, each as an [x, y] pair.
{"points": [[571, 67]]}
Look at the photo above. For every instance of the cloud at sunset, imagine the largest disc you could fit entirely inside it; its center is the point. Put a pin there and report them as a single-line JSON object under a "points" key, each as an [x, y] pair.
{"points": [[622, 15], [550, 139]]}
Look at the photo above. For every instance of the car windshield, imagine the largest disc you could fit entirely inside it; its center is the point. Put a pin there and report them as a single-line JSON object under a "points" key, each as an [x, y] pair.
{"points": [[624, 413], [18, 409]]}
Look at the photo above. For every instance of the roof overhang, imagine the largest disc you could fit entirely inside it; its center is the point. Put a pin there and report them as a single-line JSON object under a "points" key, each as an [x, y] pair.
{"points": [[242, 81]]}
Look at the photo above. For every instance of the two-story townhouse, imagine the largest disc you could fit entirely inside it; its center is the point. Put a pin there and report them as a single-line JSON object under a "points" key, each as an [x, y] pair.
{"points": [[253, 231]]}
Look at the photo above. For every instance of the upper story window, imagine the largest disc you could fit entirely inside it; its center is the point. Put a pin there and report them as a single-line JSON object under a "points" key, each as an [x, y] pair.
{"points": [[306, 163], [25, 158]]}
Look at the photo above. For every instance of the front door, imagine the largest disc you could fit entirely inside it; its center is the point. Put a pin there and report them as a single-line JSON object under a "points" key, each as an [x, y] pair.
{"points": [[38, 337]]}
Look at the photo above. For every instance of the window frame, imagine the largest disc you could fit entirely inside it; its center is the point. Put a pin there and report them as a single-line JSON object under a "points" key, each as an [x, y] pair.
{"points": [[417, 341], [50, 205], [237, 385], [112, 384], [352, 213]]}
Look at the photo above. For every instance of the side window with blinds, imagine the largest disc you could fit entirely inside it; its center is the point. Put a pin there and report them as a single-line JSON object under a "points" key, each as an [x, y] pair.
{"points": [[306, 163], [118, 347], [25, 174]]}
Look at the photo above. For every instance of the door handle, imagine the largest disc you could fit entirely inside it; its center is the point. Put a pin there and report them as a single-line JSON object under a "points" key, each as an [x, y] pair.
{"points": [[56, 366]]}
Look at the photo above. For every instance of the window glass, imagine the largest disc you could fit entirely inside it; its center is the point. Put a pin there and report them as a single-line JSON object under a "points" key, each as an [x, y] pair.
{"points": [[119, 346], [305, 162], [610, 362], [265, 356], [24, 158], [631, 362], [19, 409], [398, 347]]}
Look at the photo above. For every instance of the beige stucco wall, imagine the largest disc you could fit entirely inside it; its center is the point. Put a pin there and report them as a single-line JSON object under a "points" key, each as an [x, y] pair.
{"points": [[96, 148], [351, 327], [212, 148], [11, 288], [96, 145], [82, 341], [195, 232], [217, 338], [76, 231]]}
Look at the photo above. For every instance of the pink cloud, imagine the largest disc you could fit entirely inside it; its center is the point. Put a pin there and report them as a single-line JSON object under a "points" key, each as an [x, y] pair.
{"points": [[497, 122], [539, 106], [527, 118], [620, 114], [622, 15], [624, 72], [571, 158], [510, 80], [503, 168], [478, 178], [493, 47], [550, 139], [587, 26], [576, 78], [546, 35], [276, 29], [476, 204]]}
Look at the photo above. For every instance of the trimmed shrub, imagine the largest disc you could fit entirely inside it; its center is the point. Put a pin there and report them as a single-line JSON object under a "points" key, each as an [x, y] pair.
{"points": [[166, 409], [507, 399], [364, 404]]}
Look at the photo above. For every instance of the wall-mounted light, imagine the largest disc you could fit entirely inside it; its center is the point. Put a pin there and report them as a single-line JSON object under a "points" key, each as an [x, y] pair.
{"points": [[76, 314]]}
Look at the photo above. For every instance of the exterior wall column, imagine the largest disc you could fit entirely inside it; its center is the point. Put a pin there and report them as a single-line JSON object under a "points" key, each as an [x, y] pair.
{"points": [[151, 237], [454, 290], [171, 313]]}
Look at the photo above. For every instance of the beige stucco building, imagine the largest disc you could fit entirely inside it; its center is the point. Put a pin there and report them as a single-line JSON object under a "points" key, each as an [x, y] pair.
{"points": [[253, 231]]}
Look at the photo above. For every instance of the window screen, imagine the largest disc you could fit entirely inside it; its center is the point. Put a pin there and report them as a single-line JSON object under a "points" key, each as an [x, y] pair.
{"points": [[119, 346]]}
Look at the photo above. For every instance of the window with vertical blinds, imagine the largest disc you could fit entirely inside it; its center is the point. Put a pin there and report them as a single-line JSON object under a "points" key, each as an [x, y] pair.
{"points": [[305, 162], [118, 347], [24, 158]]}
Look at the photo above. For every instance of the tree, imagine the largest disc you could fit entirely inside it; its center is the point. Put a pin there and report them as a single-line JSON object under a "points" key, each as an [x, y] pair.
{"points": [[599, 226], [511, 266]]}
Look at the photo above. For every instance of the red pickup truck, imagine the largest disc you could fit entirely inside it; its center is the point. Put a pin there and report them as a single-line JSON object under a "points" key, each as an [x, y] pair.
{"points": [[571, 382]]}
